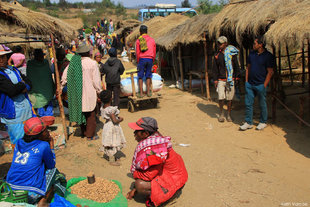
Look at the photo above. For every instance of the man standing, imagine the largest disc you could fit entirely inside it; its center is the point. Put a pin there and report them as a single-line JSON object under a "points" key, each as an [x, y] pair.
{"points": [[258, 74], [226, 72], [146, 53], [113, 69], [82, 77]]}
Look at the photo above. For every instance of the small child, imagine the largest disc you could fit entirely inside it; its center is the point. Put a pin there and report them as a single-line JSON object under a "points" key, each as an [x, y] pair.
{"points": [[113, 138]]}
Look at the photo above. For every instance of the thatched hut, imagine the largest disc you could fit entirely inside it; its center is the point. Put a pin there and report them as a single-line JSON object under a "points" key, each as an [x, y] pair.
{"points": [[158, 26], [126, 26], [188, 41], [33, 22]]}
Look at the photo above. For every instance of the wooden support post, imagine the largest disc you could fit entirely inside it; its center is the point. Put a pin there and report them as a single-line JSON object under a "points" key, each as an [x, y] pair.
{"points": [[159, 60], [279, 82], [206, 68], [61, 108], [289, 65], [133, 85], [301, 108], [303, 65], [190, 82], [241, 58], [174, 65], [181, 66], [309, 74], [274, 89]]}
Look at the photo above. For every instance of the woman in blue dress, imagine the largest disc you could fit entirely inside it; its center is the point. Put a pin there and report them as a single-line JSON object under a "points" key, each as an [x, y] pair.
{"points": [[15, 107]]}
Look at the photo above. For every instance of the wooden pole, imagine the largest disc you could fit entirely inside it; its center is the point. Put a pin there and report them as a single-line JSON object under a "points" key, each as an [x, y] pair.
{"points": [[309, 73], [289, 65], [241, 58], [61, 108], [206, 67], [181, 66], [174, 65], [274, 90], [303, 65], [159, 60]]}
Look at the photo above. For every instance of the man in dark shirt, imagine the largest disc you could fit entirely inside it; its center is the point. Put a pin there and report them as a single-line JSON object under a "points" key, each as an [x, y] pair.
{"points": [[225, 79], [259, 71]]}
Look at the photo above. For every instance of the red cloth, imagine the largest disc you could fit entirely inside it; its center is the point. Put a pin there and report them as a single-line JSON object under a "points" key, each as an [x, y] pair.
{"points": [[150, 53], [165, 178]]}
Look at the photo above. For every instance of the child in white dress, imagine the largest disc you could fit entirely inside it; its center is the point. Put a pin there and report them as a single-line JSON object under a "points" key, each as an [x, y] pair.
{"points": [[113, 138]]}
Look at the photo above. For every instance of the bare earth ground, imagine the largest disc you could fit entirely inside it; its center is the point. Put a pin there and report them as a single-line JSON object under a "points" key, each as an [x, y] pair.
{"points": [[226, 167]]}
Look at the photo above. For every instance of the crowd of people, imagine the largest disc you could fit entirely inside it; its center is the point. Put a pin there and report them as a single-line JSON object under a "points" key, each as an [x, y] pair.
{"points": [[89, 87]]}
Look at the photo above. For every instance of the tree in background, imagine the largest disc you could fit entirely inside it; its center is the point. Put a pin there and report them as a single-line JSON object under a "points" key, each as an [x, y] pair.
{"points": [[207, 7], [63, 4], [47, 3], [107, 4], [186, 4]]}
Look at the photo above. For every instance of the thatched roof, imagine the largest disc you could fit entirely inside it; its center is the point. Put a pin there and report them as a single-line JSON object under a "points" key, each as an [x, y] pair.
{"points": [[293, 26], [279, 20], [190, 31], [34, 22], [127, 24], [158, 26], [4, 39], [246, 17]]}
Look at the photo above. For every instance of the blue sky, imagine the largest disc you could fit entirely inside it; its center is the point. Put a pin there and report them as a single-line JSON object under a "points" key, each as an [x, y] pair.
{"points": [[131, 3]]}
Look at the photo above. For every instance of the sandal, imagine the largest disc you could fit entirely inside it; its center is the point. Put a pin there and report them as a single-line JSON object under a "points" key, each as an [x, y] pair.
{"points": [[93, 138], [149, 94], [139, 96], [149, 203]]}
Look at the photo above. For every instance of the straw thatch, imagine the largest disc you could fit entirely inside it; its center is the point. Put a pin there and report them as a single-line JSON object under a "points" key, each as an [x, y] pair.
{"points": [[127, 25], [246, 17], [191, 31], [158, 26], [7, 41], [34, 22], [293, 26]]}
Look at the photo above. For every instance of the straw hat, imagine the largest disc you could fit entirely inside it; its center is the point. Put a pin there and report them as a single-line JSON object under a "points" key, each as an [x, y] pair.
{"points": [[83, 48], [4, 50]]}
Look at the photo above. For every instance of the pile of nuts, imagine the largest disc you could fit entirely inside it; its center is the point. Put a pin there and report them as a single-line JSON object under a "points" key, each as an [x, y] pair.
{"points": [[101, 191]]}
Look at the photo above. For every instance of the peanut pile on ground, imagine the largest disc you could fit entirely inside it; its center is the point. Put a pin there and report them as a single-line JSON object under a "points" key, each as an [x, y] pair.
{"points": [[101, 191]]}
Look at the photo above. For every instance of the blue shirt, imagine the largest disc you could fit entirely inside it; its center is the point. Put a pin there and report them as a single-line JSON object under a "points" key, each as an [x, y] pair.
{"points": [[30, 160], [259, 64]]}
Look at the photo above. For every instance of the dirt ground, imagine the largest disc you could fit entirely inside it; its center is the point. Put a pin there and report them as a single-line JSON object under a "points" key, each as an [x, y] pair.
{"points": [[226, 167]]}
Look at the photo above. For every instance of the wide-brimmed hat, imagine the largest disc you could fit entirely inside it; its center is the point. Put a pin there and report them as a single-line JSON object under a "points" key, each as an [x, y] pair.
{"points": [[83, 48], [34, 126], [145, 123], [4, 50]]}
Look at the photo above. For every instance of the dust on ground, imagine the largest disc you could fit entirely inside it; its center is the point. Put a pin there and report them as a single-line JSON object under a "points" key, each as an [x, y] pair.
{"points": [[226, 167]]}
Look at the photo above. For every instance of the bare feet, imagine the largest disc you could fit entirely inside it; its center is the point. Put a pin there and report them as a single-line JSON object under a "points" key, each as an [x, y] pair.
{"points": [[131, 194]]}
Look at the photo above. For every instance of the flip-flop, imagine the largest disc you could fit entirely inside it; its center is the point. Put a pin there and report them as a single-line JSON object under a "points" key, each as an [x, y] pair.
{"points": [[149, 94], [93, 138], [139, 96]]}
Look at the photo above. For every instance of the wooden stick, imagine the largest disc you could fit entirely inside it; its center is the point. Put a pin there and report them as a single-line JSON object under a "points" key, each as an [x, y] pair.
{"points": [[181, 66], [303, 65], [309, 68], [174, 65], [292, 112], [206, 68], [289, 65], [274, 90], [309, 74], [61, 108]]}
